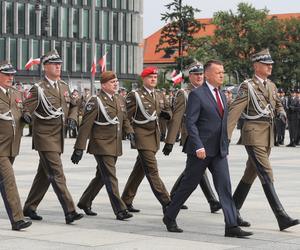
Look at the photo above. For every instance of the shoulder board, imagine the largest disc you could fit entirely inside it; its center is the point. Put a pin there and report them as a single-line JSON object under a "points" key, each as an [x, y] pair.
{"points": [[61, 81]]}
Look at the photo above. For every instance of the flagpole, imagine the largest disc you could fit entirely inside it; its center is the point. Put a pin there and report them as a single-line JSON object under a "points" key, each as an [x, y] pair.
{"points": [[93, 50]]}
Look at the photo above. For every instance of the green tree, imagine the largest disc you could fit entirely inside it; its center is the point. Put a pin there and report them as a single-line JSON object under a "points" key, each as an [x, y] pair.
{"points": [[177, 34]]}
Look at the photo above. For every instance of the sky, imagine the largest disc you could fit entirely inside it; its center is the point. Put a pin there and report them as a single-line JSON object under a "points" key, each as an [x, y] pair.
{"points": [[153, 9]]}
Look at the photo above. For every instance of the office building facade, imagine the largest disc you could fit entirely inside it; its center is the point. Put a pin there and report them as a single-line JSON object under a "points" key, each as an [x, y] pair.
{"points": [[29, 28]]}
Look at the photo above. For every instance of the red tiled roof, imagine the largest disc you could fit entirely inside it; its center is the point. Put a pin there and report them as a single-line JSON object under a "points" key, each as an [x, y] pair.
{"points": [[151, 57]]}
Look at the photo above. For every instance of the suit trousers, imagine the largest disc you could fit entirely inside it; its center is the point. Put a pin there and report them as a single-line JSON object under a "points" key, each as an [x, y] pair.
{"points": [[258, 164], [50, 171], [107, 165], [9, 190], [195, 168], [91, 191], [145, 164]]}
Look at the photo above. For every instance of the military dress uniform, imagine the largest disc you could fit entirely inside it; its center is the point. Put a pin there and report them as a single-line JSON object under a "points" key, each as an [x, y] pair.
{"points": [[258, 101], [178, 123], [51, 106], [103, 122], [11, 126], [143, 109], [292, 115]]}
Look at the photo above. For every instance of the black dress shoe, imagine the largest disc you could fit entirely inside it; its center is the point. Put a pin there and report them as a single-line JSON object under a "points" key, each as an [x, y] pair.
{"points": [[72, 216], [87, 210], [32, 214], [291, 145], [214, 206], [21, 224], [236, 232], [171, 225], [241, 222], [184, 207], [123, 215], [132, 209]]}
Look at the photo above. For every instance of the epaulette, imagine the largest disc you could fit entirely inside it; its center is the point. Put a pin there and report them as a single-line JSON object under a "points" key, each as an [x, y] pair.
{"points": [[63, 82]]}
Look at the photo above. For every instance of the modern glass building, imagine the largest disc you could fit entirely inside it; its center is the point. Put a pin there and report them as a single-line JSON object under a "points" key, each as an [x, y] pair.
{"points": [[29, 28]]}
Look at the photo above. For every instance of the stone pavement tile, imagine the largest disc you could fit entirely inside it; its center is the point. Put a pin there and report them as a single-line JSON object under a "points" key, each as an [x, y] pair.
{"points": [[167, 244], [28, 244]]}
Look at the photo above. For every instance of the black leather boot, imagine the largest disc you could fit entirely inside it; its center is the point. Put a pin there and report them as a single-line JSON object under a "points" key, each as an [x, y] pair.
{"points": [[283, 219], [239, 198], [209, 194]]}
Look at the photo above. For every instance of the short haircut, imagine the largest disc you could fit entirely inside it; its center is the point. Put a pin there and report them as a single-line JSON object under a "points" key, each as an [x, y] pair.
{"points": [[208, 64]]}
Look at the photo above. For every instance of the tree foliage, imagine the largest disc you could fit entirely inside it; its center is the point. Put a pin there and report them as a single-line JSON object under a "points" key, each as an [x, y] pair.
{"points": [[177, 34], [238, 35]]}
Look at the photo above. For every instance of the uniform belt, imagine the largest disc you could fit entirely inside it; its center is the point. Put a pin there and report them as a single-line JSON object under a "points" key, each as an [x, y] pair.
{"points": [[261, 119]]}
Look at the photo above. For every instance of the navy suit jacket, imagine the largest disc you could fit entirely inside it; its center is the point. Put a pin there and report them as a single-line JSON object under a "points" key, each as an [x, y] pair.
{"points": [[206, 127]]}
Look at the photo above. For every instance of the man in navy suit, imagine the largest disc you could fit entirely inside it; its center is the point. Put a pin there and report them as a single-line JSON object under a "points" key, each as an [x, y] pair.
{"points": [[207, 145]]}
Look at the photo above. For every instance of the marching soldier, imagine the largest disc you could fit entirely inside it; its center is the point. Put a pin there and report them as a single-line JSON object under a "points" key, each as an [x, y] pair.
{"points": [[11, 126], [178, 123], [50, 105], [144, 107], [292, 116], [258, 101], [103, 122]]}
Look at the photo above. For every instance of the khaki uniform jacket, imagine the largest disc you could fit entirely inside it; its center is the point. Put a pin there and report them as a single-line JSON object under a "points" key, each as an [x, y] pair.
{"points": [[104, 139], [254, 132], [178, 119], [10, 142], [48, 135], [147, 135]]}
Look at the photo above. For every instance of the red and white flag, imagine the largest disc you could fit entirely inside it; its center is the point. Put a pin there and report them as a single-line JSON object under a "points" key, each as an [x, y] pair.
{"points": [[177, 79], [102, 62], [173, 73], [31, 62], [93, 68]]}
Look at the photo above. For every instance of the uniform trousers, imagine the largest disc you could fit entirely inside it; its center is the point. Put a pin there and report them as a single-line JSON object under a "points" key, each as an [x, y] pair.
{"points": [[145, 164], [91, 191], [9, 190], [258, 164], [50, 171], [194, 170]]}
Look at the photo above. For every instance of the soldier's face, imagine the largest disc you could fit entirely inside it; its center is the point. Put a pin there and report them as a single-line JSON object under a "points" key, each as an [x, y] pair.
{"points": [[215, 75], [53, 70], [196, 79], [111, 86], [150, 81], [6, 80], [263, 70]]}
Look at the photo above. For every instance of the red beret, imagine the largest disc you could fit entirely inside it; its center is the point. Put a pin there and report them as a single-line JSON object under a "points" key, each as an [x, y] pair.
{"points": [[149, 71]]}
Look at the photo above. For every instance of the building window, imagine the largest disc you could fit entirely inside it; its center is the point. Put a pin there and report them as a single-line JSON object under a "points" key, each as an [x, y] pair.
{"points": [[98, 3], [118, 59], [36, 49], [109, 3], [124, 26], [116, 26], [65, 22], [68, 60], [105, 25], [21, 18], [9, 17], [54, 20], [24, 53], [2, 48], [32, 19], [88, 57], [75, 23], [85, 24], [13, 51], [98, 55], [46, 47], [97, 23], [1, 18], [108, 49], [119, 4], [78, 57]]}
